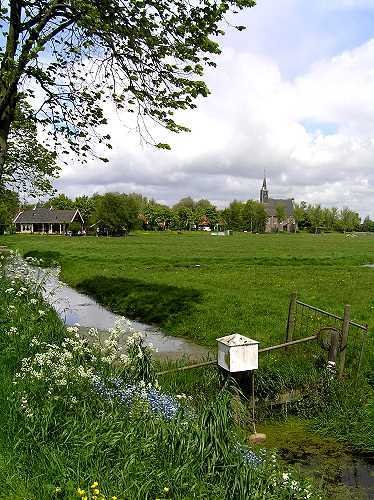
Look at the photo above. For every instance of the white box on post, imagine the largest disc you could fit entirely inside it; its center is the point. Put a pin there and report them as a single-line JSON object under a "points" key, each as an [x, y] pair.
{"points": [[237, 353]]}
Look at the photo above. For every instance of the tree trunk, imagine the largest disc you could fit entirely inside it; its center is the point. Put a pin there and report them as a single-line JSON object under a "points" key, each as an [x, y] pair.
{"points": [[3, 151], [9, 82], [6, 119]]}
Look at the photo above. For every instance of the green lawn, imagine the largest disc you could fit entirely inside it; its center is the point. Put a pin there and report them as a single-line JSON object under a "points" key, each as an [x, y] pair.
{"points": [[203, 287]]}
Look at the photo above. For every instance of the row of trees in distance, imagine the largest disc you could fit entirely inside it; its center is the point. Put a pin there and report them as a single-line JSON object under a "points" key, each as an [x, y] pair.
{"points": [[118, 211]]}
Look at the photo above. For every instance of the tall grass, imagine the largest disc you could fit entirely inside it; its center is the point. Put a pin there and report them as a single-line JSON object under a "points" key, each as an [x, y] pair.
{"points": [[59, 435]]}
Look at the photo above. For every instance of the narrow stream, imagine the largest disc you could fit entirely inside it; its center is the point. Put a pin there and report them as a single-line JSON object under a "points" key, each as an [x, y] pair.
{"points": [[74, 307]]}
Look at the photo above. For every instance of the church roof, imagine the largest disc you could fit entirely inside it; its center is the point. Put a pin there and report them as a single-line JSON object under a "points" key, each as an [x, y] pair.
{"points": [[271, 205], [47, 216]]}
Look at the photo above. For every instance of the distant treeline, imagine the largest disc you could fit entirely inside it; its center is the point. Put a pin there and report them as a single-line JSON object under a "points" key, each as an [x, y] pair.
{"points": [[115, 212]]}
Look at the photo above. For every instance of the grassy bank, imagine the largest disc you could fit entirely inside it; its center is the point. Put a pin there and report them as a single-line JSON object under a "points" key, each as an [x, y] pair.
{"points": [[85, 420], [202, 287]]}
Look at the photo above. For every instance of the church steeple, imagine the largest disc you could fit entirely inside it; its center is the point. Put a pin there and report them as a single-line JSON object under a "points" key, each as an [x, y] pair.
{"points": [[264, 193]]}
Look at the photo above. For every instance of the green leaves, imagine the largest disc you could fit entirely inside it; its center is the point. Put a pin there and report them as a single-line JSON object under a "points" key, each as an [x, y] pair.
{"points": [[162, 145], [141, 56], [116, 213], [29, 166]]}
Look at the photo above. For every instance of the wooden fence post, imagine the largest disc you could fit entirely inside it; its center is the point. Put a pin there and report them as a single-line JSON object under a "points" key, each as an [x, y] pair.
{"points": [[291, 318], [345, 331]]}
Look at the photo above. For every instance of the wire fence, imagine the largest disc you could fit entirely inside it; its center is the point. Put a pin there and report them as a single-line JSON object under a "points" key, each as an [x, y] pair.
{"points": [[305, 320]]}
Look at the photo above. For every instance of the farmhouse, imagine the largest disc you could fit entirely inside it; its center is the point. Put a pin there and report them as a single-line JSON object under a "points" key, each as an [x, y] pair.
{"points": [[46, 220], [276, 207]]}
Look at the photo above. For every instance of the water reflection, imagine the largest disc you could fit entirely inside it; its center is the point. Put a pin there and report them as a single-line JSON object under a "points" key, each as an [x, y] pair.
{"points": [[74, 307]]}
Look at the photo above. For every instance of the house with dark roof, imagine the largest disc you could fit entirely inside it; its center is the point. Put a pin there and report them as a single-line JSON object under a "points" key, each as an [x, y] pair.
{"points": [[280, 212], [46, 220]]}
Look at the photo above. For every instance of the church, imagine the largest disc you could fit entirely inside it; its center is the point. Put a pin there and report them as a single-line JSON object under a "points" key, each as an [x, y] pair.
{"points": [[280, 212]]}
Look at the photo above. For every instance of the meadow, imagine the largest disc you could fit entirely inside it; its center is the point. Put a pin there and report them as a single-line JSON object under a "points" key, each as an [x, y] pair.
{"points": [[197, 286], [203, 287]]}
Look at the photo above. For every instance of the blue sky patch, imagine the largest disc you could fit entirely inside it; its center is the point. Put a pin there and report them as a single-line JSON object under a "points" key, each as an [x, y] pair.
{"points": [[324, 128]]}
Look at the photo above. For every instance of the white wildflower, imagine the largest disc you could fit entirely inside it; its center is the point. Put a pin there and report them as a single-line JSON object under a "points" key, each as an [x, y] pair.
{"points": [[294, 485], [13, 330], [181, 396], [34, 342], [72, 329], [124, 359]]}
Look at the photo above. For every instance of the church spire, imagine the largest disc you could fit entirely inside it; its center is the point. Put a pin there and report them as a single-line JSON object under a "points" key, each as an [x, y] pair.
{"points": [[264, 193], [264, 182]]}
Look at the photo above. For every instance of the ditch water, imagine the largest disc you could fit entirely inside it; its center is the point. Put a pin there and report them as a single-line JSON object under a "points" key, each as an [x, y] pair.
{"points": [[344, 475], [74, 307]]}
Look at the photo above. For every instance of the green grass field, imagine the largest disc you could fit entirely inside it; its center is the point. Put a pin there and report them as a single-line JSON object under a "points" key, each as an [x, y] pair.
{"points": [[203, 287]]}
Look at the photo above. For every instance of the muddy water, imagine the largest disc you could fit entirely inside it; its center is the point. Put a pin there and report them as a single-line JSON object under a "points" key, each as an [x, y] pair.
{"points": [[343, 475], [74, 307]]}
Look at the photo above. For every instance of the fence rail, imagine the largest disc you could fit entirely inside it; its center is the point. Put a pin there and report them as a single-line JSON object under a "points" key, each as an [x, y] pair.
{"points": [[332, 315], [301, 322], [338, 334], [265, 349]]}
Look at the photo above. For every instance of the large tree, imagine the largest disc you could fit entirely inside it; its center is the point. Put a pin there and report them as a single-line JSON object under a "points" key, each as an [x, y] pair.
{"points": [[254, 216], [60, 202], [29, 166], [70, 57], [86, 207], [349, 220], [9, 203], [116, 212], [233, 215]]}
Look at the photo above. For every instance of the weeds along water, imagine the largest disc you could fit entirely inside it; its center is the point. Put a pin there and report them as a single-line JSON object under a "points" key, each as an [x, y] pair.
{"points": [[88, 420]]}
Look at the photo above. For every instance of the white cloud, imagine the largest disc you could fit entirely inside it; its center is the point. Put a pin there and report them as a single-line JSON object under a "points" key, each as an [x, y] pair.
{"points": [[255, 119], [347, 4]]}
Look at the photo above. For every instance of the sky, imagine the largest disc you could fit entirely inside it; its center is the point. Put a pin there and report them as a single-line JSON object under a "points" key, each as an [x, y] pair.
{"points": [[292, 95]]}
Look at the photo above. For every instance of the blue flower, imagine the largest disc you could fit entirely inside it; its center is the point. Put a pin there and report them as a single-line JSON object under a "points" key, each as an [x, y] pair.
{"points": [[159, 403], [249, 456]]}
